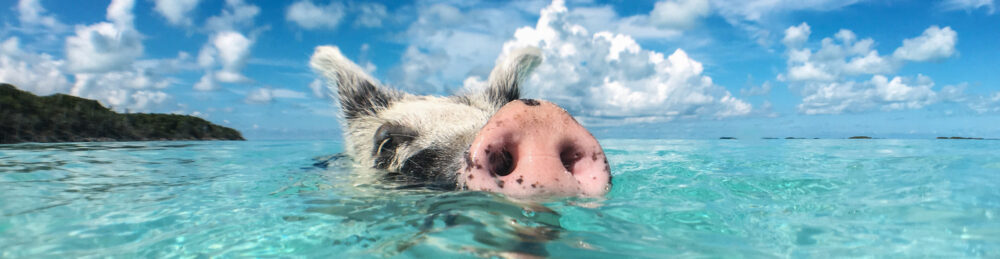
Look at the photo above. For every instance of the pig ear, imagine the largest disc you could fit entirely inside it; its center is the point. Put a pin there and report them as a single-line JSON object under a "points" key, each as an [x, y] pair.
{"points": [[509, 73], [359, 93]]}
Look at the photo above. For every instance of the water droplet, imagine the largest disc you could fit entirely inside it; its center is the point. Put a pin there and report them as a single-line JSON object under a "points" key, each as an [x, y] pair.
{"points": [[528, 212]]}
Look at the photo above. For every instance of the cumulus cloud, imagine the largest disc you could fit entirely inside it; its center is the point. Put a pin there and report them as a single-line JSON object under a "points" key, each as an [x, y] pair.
{"points": [[934, 44], [968, 5], [31, 13], [227, 51], [608, 75], [641, 26], [757, 17], [310, 16], [838, 57], [986, 104], [102, 60], [126, 90], [846, 74], [449, 42], [176, 11], [140, 88], [38, 73], [104, 46], [370, 15], [879, 92], [235, 14], [796, 35], [682, 14], [233, 49]]}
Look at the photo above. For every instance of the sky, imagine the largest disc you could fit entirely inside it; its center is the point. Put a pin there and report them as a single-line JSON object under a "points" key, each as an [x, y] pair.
{"points": [[626, 69]]}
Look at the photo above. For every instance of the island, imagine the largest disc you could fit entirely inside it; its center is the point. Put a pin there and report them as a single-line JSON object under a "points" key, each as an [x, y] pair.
{"points": [[959, 138], [25, 117], [860, 137]]}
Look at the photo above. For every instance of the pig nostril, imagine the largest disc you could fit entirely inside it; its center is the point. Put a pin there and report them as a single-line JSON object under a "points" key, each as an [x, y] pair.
{"points": [[569, 157], [502, 163]]}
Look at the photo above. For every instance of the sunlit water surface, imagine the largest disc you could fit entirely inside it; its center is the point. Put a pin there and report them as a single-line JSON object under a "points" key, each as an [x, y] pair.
{"points": [[691, 198]]}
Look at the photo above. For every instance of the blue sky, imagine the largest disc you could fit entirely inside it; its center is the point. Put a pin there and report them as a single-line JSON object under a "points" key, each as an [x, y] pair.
{"points": [[672, 68]]}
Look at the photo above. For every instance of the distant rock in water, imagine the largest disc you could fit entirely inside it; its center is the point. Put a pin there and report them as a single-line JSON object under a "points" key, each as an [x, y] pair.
{"points": [[958, 138], [727, 138], [25, 117], [860, 137]]}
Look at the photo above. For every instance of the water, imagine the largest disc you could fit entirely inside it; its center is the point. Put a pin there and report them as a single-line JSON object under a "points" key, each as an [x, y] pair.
{"points": [[690, 198]]}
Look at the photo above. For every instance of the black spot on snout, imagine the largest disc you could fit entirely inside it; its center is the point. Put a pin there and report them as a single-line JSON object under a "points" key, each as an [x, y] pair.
{"points": [[530, 102], [468, 160]]}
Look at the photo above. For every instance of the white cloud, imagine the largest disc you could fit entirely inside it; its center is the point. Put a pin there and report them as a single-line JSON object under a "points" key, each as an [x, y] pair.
{"points": [[609, 75], [233, 49], [259, 96], [235, 15], [206, 83], [38, 73], [878, 92], [969, 5], [680, 14], [796, 35], [449, 42], [759, 17], [120, 13], [136, 90], [604, 18], [934, 44], [310, 16], [763, 89], [828, 78], [370, 15], [287, 94], [176, 11], [838, 57], [319, 89], [267, 95], [104, 46], [102, 59], [758, 10], [31, 13], [227, 51]]}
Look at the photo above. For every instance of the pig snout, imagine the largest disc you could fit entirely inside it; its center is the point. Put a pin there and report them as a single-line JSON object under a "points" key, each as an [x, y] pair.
{"points": [[532, 148]]}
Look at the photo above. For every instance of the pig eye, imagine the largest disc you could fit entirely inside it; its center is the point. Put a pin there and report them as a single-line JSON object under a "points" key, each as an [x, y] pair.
{"points": [[387, 139]]}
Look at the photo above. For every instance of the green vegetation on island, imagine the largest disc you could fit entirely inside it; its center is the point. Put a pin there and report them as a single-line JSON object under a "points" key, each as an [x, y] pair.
{"points": [[25, 117], [959, 138]]}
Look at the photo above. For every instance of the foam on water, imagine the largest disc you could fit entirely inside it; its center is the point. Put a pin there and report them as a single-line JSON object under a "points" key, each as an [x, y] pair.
{"points": [[716, 198]]}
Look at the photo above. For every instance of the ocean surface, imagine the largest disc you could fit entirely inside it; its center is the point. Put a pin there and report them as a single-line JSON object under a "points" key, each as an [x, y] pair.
{"points": [[671, 198]]}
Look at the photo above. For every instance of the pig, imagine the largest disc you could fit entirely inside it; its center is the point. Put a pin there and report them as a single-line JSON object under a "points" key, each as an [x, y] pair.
{"points": [[490, 140]]}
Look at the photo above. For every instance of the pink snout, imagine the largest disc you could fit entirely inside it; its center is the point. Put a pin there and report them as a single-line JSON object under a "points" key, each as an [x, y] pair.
{"points": [[533, 148]]}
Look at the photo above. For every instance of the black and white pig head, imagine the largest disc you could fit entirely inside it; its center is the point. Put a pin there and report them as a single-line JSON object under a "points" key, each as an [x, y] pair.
{"points": [[486, 141]]}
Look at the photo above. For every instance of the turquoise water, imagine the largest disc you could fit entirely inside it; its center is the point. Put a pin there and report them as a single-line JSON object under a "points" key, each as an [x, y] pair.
{"points": [[691, 198]]}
